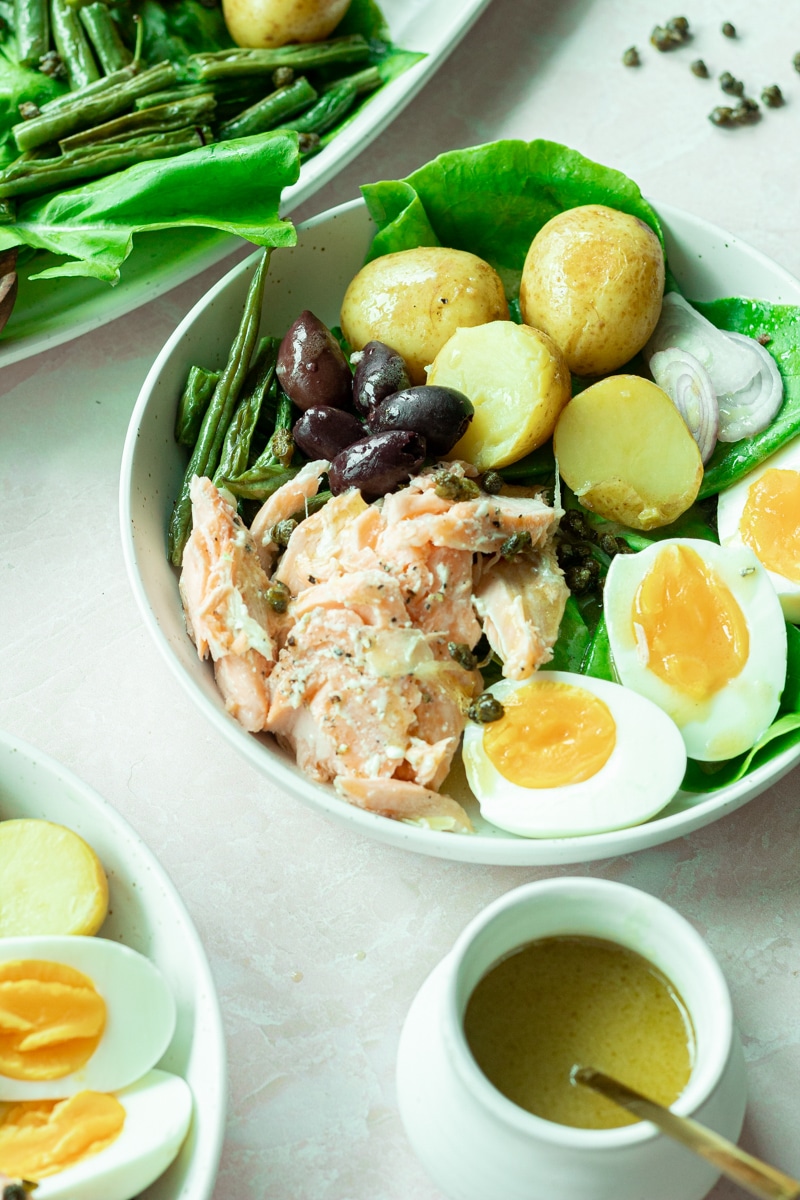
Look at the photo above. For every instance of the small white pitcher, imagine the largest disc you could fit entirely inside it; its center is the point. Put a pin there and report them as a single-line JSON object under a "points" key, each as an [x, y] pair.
{"points": [[478, 1145]]}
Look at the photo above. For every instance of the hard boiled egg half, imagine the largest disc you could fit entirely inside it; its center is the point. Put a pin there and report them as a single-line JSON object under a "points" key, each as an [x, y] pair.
{"points": [[762, 512], [83, 1021], [697, 628], [572, 755]]}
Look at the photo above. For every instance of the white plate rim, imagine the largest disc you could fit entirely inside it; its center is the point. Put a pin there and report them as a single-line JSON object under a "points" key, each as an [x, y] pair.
{"points": [[490, 851], [208, 1149], [212, 246]]}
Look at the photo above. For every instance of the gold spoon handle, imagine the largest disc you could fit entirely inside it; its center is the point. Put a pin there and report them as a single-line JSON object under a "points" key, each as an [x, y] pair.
{"points": [[751, 1173]]}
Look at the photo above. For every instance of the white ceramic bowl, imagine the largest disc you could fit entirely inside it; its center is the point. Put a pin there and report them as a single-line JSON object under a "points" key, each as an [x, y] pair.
{"points": [[147, 914], [708, 263], [476, 1143]]}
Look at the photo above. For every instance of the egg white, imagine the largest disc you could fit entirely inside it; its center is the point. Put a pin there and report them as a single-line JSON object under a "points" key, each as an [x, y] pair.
{"points": [[158, 1111], [732, 720], [642, 774], [140, 1014], [730, 508]]}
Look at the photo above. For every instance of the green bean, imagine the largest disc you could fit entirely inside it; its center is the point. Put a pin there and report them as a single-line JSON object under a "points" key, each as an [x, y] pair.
{"points": [[47, 174], [258, 483], [329, 109], [206, 455], [104, 35], [222, 64], [171, 95], [104, 84], [239, 434], [99, 106], [265, 114], [72, 45], [32, 27], [192, 406], [363, 81], [162, 119]]}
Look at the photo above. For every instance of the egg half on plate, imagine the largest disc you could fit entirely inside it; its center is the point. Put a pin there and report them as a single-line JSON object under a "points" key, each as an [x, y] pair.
{"points": [[762, 512], [83, 1021], [697, 628], [572, 755]]}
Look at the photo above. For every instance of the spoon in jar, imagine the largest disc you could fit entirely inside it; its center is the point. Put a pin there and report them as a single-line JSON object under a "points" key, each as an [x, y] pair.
{"points": [[751, 1173]]}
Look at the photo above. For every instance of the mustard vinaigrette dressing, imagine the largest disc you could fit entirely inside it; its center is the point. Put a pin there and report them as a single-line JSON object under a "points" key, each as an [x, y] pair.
{"points": [[565, 1001], [695, 632]]}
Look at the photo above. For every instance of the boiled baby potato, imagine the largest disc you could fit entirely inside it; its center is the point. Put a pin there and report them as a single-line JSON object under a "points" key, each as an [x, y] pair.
{"points": [[269, 23], [414, 300], [594, 279], [518, 382], [51, 881], [624, 449]]}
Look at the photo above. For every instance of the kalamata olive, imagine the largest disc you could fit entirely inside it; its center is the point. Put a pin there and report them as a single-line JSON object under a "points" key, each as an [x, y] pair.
{"points": [[379, 372], [440, 414], [323, 431], [312, 367], [377, 465]]}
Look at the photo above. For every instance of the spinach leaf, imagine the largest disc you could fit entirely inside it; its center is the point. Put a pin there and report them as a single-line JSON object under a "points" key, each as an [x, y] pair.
{"points": [[234, 186], [781, 324], [493, 199], [175, 30]]}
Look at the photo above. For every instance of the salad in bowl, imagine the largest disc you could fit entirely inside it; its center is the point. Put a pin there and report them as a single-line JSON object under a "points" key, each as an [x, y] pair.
{"points": [[444, 633]]}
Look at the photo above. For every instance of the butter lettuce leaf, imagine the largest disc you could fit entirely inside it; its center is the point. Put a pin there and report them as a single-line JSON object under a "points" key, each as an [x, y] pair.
{"points": [[232, 186]]}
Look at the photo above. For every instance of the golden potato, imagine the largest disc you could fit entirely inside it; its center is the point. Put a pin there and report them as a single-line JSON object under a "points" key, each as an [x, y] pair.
{"points": [[51, 881], [594, 279], [268, 23], [414, 300], [624, 449], [518, 382]]}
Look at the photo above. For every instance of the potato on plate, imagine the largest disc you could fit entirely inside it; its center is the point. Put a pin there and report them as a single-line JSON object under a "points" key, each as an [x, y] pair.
{"points": [[51, 881], [594, 279], [624, 449], [414, 300], [268, 23], [518, 382]]}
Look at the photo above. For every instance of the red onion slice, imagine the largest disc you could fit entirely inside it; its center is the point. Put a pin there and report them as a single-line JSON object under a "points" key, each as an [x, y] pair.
{"points": [[752, 408], [689, 387], [730, 367]]}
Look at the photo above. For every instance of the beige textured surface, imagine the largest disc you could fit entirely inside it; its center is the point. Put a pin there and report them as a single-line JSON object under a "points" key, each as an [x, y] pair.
{"points": [[318, 940]]}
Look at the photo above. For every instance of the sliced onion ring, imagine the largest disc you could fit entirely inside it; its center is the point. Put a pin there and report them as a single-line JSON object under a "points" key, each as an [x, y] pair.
{"points": [[729, 366], [752, 408], [688, 386]]}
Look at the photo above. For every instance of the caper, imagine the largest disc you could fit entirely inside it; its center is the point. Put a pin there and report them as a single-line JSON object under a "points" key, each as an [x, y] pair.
{"points": [[307, 143], [796, 61], [282, 77], [575, 524], [280, 533], [28, 110], [277, 596], [699, 69], [680, 26], [631, 57], [772, 96], [493, 482], [456, 488], [728, 30], [516, 544], [731, 85], [747, 111], [583, 578], [461, 653], [665, 39], [721, 116], [485, 709], [281, 445]]}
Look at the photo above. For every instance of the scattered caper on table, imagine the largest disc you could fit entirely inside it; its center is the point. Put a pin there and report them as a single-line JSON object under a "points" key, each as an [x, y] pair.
{"points": [[699, 68], [796, 61], [731, 85], [772, 96], [728, 30], [631, 57]]}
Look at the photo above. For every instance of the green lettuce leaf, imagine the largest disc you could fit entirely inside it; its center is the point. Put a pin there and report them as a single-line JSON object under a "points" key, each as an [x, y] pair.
{"points": [[233, 186], [493, 199], [781, 324], [175, 30]]}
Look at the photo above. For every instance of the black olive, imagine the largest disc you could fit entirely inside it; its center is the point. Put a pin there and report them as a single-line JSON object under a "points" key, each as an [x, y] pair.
{"points": [[380, 371], [377, 465], [322, 431], [312, 368], [440, 414]]}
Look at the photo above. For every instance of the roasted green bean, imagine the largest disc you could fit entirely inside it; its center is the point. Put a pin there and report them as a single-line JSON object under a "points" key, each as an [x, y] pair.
{"points": [[194, 401], [278, 106], [32, 28], [72, 45], [225, 64], [104, 35]]}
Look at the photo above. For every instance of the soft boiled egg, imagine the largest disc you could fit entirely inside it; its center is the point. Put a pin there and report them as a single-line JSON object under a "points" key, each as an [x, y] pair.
{"points": [[78, 1013], [157, 1111], [572, 755], [697, 628], [762, 511]]}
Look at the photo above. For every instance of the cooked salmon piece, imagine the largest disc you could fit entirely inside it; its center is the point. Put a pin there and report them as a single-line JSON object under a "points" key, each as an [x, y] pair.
{"points": [[521, 602], [330, 542], [405, 801], [289, 500], [223, 589]]}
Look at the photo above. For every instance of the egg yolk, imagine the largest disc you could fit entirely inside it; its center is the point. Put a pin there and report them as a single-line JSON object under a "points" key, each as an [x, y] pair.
{"points": [[51, 1019], [770, 523], [552, 734], [690, 625], [41, 1137]]}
